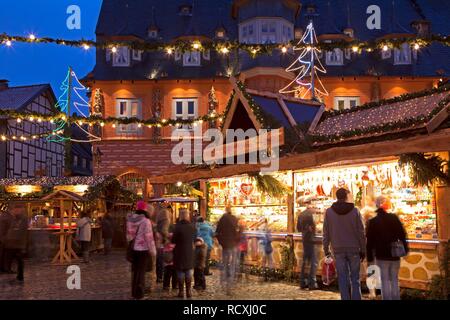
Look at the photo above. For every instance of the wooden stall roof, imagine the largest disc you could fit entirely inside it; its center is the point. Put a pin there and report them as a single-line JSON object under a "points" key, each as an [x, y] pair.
{"points": [[422, 110], [434, 142], [91, 181], [62, 194]]}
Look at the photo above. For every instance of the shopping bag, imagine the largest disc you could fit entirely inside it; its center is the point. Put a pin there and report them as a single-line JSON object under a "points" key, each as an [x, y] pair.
{"points": [[328, 271]]}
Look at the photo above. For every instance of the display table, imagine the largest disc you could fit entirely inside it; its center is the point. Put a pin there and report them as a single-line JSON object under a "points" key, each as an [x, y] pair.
{"points": [[416, 269], [43, 243]]}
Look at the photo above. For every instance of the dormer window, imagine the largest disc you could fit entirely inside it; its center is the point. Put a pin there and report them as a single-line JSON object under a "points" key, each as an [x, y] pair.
{"points": [[220, 33], [191, 59], [153, 33], [266, 30], [185, 10], [335, 57], [402, 55], [122, 57]]}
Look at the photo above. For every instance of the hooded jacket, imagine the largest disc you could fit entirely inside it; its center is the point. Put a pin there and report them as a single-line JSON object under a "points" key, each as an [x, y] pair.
{"points": [[139, 227], [382, 230], [183, 238], [343, 228], [205, 231]]}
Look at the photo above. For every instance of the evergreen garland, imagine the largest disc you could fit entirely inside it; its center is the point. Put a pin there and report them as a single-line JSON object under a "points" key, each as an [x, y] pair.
{"points": [[425, 169], [269, 185]]}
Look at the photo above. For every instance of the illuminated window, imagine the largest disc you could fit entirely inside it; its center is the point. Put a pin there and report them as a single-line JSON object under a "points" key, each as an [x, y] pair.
{"points": [[191, 59], [341, 103], [335, 57], [184, 109], [129, 108]]}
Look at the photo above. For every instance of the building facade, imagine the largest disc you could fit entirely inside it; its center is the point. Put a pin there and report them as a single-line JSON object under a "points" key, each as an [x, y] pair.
{"points": [[178, 85]]}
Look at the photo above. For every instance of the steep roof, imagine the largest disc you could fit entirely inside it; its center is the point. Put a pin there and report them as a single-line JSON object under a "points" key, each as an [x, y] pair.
{"points": [[426, 109], [14, 98], [132, 18]]}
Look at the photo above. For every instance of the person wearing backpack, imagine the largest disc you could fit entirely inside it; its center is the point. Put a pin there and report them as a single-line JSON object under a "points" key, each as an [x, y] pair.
{"points": [[384, 233], [343, 229], [15, 241], [84, 233]]}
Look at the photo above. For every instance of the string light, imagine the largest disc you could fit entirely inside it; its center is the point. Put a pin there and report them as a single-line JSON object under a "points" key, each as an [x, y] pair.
{"points": [[3, 138], [39, 120], [31, 119], [102, 124], [32, 37], [196, 45], [385, 48], [355, 49], [416, 46], [284, 49], [86, 46], [225, 50], [114, 50], [169, 51], [113, 125], [8, 43], [19, 120]]}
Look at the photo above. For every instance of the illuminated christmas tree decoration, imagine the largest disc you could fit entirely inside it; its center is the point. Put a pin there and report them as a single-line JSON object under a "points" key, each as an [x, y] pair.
{"points": [[307, 65]]}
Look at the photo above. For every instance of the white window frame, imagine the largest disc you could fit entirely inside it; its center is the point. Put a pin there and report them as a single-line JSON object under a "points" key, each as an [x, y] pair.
{"points": [[278, 30], [405, 50], [340, 57], [386, 54], [184, 114], [137, 55], [192, 63], [128, 128], [126, 54], [347, 100]]}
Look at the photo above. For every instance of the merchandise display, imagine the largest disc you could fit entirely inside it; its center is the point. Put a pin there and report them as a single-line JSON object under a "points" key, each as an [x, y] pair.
{"points": [[413, 205], [256, 209]]}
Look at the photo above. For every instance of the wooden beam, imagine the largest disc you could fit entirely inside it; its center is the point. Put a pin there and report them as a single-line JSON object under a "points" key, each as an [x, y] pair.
{"points": [[316, 119], [438, 141], [436, 121]]}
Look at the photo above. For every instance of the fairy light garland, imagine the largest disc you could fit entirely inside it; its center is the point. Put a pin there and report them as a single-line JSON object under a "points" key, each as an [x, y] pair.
{"points": [[224, 47]]}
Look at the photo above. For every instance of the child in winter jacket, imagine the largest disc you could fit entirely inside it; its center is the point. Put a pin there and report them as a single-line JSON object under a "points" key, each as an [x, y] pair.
{"points": [[200, 264], [169, 273]]}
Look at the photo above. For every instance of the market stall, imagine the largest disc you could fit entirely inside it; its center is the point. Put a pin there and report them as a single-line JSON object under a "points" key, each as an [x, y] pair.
{"points": [[175, 203]]}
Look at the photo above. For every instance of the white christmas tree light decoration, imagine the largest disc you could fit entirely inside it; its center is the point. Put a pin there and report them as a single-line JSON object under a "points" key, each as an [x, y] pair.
{"points": [[307, 65]]}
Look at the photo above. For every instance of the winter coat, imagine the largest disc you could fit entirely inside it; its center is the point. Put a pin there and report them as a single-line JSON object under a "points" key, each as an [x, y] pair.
{"points": [[140, 229], [200, 256], [206, 232], [168, 254], [16, 236], [306, 225], [107, 227], [84, 229], [227, 231], [183, 238], [382, 230], [6, 218], [162, 227], [343, 227]]}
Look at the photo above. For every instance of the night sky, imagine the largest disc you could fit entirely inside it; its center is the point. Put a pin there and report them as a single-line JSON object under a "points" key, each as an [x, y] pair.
{"points": [[26, 64]]}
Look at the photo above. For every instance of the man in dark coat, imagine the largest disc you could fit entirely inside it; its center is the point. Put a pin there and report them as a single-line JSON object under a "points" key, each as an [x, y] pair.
{"points": [[16, 238], [183, 254], [107, 232], [228, 235], [307, 227], [6, 219]]}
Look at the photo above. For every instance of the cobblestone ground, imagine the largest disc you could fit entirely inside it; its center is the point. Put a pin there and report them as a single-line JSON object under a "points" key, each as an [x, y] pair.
{"points": [[108, 278]]}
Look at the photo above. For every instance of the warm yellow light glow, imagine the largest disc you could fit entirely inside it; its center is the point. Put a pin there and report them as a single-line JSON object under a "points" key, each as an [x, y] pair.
{"points": [[179, 184], [355, 49], [31, 118], [32, 37], [385, 48], [284, 49], [196, 45], [39, 120], [308, 48], [114, 50], [86, 46], [8, 43], [3, 138], [102, 124], [416, 46], [80, 122], [169, 51], [139, 125], [19, 120], [114, 125], [225, 50]]}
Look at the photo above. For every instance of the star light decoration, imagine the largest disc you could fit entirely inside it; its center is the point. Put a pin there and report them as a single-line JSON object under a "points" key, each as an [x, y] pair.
{"points": [[307, 66]]}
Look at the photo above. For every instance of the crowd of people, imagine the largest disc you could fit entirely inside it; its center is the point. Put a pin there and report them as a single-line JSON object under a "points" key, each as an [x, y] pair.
{"points": [[179, 252]]}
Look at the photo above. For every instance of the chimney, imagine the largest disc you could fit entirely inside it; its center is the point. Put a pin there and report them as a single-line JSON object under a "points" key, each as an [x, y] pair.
{"points": [[4, 85], [422, 27]]}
